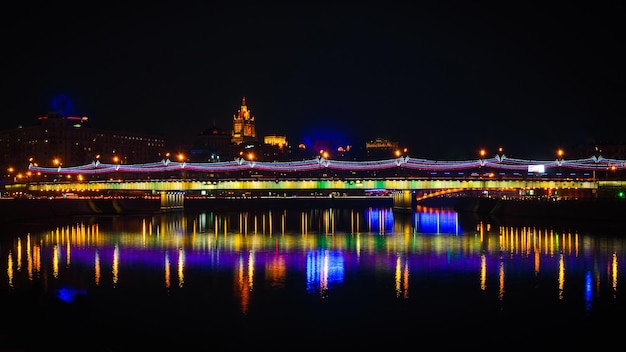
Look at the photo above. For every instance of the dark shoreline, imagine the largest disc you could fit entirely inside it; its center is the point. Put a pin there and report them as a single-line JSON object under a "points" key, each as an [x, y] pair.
{"points": [[582, 209], [587, 209], [42, 208]]}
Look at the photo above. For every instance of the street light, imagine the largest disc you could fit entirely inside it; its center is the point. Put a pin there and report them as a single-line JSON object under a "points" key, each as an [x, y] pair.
{"points": [[117, 160], [559, 160], [57, 162], [181, 159], [482, 152], [560, 153]]}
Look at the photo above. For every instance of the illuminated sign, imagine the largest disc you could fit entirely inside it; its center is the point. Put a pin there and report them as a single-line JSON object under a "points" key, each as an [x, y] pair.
{"points": [[537, 168]]}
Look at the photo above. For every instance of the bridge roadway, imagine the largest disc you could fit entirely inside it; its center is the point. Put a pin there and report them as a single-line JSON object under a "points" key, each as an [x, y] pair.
{"points": [[404, 191]]}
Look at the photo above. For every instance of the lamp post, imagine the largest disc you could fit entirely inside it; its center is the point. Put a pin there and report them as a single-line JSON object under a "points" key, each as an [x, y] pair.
{"points": [[181, 159], [57, 162], [96, 163], [116, 161], [482, 152], [597, 154], [559, 160]]}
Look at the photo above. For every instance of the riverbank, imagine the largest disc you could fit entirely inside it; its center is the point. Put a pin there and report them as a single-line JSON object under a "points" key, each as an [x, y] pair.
{"points": [[579, 209], [41, 208], [37, 208], [582, 209], [206, 203]]}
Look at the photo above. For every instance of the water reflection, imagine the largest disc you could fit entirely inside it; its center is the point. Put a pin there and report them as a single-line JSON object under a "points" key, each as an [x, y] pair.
{"points": [[431, 254]]}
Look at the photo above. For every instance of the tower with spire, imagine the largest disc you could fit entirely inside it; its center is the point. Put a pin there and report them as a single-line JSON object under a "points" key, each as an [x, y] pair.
{"points": [[244, 129]]}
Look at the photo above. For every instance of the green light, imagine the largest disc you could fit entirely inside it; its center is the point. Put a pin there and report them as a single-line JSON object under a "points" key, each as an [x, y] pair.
{"points": [[620, 194]]}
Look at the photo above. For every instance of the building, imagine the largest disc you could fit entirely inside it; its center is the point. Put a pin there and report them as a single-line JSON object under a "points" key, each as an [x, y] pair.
{"points": [[382, 148], [213, 145], [67, 140], [244, 129], [275, 140], [611, 150]]}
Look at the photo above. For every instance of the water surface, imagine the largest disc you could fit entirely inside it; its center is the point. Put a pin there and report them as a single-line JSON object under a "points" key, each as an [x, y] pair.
{"points": [[309, 279]]}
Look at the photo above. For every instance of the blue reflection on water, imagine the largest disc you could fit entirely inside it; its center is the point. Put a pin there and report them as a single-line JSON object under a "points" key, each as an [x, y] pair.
{"points": [[588, 291], [324, 269], [435, 222], [69, 294]]}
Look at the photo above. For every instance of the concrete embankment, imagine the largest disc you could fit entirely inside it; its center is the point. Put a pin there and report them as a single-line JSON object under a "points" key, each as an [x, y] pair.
{"points": [[579, 209]]}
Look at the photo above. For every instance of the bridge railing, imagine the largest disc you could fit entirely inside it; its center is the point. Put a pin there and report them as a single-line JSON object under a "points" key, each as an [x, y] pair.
{"points": [[498, 166]]}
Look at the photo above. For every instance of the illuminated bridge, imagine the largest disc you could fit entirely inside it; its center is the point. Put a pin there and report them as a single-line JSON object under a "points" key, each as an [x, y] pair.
{"points": [[405, 179]]}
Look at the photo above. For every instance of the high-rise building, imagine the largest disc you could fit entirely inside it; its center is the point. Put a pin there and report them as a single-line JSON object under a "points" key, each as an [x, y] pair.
{"points": [[244, 129]]}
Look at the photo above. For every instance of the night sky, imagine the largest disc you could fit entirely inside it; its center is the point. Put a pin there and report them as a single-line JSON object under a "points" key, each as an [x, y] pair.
{"points": [[443, 78]]}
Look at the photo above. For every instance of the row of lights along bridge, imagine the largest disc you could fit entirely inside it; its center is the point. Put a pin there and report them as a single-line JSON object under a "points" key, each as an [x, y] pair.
{"points": [[400, 166]]}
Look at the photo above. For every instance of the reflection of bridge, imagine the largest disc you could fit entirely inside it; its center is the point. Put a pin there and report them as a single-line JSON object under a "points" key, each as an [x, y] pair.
{"points": [[401, 177]]}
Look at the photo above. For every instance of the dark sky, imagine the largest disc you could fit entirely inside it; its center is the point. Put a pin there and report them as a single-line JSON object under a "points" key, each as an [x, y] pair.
{"points": [[445, 78]]}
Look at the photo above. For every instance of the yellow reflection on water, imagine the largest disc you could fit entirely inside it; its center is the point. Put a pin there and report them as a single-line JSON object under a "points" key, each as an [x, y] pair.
{"points": [[181, 267], [55, 262], [97, 273], [402, 278], [483, 272], [116, 264], [501, 277], [614, 268], [245, 280], [168, 275], [561, 276], [10, 272], [19, 254]]}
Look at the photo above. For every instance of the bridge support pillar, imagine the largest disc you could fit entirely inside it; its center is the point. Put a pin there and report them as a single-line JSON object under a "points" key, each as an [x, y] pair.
{"points": [[402, 200], [172, 201]]}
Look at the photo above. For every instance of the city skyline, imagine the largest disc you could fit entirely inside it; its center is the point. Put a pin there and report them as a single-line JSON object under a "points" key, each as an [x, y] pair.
{"points": [[444, 79]]}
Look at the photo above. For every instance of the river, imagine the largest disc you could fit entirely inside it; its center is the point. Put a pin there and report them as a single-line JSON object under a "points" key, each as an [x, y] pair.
{"points": [[309, 279]]}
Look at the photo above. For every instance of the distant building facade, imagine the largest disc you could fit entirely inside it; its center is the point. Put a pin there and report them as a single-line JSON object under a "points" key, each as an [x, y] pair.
{"points": [[213, 145], [606, 150], [381, 148], [66, 140]]}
